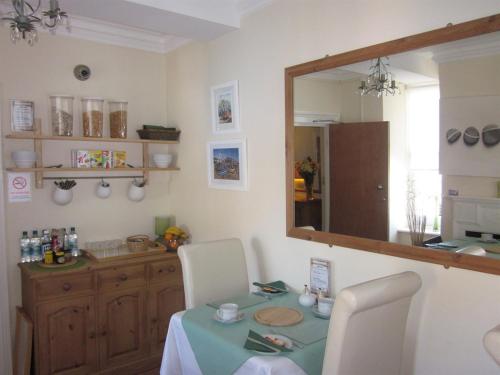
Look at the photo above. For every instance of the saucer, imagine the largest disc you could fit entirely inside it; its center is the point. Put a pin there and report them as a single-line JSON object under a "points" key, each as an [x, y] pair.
{"points": [[238, 318], [318, 314]]}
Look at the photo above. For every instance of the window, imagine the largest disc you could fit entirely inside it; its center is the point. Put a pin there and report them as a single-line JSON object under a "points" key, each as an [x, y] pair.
{"points": [[423, 147]]}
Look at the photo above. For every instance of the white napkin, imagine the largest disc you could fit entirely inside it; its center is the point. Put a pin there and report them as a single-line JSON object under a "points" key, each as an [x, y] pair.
{"points": [[473, 250]]}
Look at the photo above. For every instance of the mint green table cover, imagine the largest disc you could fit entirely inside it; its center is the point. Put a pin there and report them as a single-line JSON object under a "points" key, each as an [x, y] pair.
{"points": [[218, 347]]}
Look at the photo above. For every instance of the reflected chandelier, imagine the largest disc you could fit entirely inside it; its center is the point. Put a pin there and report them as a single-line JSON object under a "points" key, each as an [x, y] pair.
{"points": [[24, 21], [380, 81]]}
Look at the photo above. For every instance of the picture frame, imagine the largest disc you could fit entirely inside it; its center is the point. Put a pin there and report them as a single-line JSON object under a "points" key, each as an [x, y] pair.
{"points": [[225, 108], [227, 164], [22, 115]]}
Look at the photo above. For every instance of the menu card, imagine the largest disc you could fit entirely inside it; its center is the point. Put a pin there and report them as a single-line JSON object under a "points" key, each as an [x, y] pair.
{"points": [[320, 276]]}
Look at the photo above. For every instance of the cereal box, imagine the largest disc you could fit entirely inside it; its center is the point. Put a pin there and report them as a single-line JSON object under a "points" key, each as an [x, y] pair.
{"points": [[80, 159], [95, 157], [107, 159], [119, 159]]}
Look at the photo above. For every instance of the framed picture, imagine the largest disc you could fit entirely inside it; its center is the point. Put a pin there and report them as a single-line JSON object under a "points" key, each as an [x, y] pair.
{"points": [[225, 108], [227, 164], [22, 114]]}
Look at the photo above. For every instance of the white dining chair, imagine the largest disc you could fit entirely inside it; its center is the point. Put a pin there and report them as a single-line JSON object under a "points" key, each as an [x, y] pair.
{"points": [[213, 271], [367, 326], [491, 342]]}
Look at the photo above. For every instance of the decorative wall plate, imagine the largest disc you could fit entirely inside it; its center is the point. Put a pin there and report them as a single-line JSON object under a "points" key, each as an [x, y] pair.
{"points": [[471, 136], [491, 135], [452, 135]]}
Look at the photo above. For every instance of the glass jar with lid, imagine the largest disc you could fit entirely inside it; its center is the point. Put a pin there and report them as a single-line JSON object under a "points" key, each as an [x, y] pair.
{"points": [[61, 114], [118, 119], [92, 117]]}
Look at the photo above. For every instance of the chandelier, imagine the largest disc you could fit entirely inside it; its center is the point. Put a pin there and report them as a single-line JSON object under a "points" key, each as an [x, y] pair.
{"points": [[380, 81], [24, 20]]}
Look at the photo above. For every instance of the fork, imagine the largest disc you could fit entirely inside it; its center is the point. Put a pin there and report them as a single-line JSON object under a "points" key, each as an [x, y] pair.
{"points": [[294, 342]]}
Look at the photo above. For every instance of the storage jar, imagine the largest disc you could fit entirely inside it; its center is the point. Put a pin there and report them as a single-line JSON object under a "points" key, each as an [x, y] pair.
{"points": [[118, 119], [61, 113], [92, 117]]}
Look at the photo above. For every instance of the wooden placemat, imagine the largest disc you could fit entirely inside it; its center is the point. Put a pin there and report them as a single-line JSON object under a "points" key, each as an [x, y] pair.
{"points": [[493, 249], [278, 316], [56, 265]]}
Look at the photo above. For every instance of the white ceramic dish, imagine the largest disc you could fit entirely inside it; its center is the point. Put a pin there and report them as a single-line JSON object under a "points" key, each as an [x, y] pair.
{"points": [[23, 158], [318, 314], [24, 163], [239, 318], [162, 160], [286, 343], [161, 163]]}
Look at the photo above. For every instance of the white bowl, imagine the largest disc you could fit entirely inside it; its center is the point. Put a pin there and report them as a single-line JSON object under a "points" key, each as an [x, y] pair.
{"points": [[24, 163], [162, 160], [23, 155]]}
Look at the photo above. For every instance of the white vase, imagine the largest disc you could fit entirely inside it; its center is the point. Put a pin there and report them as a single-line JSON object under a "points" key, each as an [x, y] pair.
{"points": [[103, 190], [62, 197], [136, 193]]}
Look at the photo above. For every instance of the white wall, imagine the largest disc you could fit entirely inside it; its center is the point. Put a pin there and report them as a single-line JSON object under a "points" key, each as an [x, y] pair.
{"points": [[47, 68], [5, 339], [454, 307]]}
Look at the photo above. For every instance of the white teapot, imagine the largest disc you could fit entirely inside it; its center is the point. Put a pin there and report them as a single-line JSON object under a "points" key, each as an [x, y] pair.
{"points": [[306, 299]]}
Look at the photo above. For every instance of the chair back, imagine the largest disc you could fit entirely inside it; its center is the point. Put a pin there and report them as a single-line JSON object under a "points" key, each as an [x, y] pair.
{"points": [[213, 270], [367, 326]]}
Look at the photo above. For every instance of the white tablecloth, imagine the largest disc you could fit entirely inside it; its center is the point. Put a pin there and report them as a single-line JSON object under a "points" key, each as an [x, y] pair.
{"points": [[179, 359]]}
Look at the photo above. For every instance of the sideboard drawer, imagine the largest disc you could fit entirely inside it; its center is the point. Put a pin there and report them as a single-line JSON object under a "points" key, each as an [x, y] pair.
{"points": [[64, 285], [167, 271], [121, 277]]}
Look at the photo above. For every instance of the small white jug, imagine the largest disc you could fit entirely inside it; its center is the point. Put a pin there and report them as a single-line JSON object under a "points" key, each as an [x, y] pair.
{"points": [[136, 191]]}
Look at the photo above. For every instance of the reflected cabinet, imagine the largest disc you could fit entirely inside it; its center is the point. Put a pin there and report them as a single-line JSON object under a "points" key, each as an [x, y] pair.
{"points": [[389, 148]]}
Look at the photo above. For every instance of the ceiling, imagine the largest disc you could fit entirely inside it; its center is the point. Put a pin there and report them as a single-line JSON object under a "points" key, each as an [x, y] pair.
{"points": [[156, 25], [419, 67]]}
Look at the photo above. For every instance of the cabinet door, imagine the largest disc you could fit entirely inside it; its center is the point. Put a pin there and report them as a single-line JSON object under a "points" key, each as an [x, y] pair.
{"points": [[67, 337], [164, 300], [122, 324]]}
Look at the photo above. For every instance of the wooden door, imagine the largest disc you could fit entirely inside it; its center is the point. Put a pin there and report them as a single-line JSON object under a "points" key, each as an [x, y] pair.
{"points": [[359, 177], [164, 301], [122, 325], [67, 337]]}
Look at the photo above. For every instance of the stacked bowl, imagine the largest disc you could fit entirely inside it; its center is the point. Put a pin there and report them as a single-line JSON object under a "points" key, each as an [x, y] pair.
{"points": [[24, 159], [162, 160]]}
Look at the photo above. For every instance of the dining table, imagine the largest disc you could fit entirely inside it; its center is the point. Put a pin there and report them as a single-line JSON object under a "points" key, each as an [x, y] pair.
{"points": [[197, 343]]}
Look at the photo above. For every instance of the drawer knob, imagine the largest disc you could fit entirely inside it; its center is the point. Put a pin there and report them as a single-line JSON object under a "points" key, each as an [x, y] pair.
{"points": [[123, 277], [66, 286], [171, 269]]}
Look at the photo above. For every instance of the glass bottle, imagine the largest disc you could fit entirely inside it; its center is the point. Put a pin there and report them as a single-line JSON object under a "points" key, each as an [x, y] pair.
{"points": [[25, 248], [35, 244]]}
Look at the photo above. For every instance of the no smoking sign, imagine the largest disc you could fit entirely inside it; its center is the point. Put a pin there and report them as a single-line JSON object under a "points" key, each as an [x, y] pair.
{"points": [[19, 187]]}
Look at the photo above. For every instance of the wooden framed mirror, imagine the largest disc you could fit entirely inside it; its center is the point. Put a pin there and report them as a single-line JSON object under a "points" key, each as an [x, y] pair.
{"points": [[425, 143]]}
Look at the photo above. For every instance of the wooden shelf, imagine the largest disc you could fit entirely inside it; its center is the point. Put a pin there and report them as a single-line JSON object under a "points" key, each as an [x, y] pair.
{"points": [[31, 136], [55, 170], [37, 137]]}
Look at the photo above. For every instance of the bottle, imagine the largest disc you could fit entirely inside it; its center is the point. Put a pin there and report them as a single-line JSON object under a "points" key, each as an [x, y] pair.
{"points": [[25, 248], [66, 247], [73, 243], [307, 299], [45, 242], [35, 244]]}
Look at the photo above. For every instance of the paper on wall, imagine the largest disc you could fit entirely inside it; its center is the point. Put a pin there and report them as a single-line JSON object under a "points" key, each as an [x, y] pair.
{"points": [[19, 187]]}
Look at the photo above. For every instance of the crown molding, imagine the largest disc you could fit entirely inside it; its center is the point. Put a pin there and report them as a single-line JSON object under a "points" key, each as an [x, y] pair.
{"points": [[113, 34], [478, 47]]}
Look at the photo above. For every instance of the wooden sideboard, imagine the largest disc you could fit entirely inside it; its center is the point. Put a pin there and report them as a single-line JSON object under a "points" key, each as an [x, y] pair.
{"points": [[107, 317]]}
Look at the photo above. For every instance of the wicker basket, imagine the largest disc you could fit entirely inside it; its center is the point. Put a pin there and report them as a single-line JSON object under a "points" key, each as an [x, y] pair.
{"points": [[158, 134], [138, 243]]}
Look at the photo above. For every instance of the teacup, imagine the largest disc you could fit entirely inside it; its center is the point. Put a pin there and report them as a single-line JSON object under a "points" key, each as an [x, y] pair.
{"points": [[486, 237], [325, 305], [228, 311]]}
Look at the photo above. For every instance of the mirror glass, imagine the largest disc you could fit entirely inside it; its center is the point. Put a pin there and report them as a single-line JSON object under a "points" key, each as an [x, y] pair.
{"points": [[404, 148]]}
